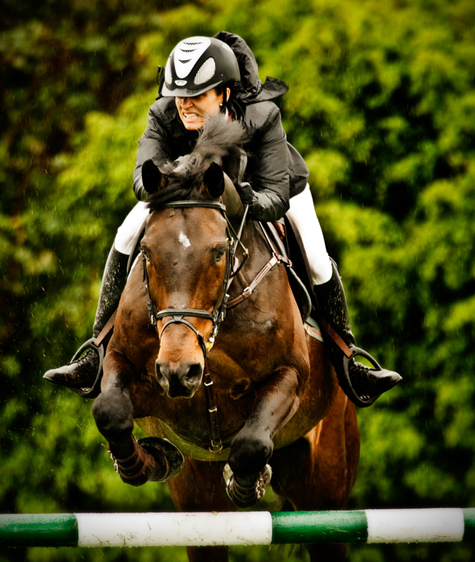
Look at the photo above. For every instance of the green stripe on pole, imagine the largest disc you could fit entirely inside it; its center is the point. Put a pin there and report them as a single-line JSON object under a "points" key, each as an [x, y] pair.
{"points": [[327, 527], [38, 530], [469, 520]]}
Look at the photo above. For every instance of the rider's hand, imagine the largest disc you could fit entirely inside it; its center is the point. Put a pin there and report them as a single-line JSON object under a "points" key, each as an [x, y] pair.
{"points": [[246, 193]]}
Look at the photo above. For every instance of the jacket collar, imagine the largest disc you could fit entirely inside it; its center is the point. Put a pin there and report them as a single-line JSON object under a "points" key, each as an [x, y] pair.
{"points": [[251, 89]]}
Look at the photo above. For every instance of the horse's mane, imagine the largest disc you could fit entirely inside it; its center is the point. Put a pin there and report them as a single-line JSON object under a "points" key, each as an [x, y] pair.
{"points": [[219, 140]]}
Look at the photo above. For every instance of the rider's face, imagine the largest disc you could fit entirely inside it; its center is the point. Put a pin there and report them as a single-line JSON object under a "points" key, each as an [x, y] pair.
{"points": [[192, 111]]}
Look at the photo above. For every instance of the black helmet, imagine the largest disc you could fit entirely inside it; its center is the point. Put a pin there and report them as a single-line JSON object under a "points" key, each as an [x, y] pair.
{"points": [[197, 65]]}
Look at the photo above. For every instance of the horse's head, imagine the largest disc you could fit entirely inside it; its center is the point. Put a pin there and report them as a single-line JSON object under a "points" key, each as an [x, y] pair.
{"points": [[188, 252]]}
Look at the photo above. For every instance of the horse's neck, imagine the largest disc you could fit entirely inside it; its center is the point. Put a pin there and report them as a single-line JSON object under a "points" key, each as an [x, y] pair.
{"points": [[234, 206], [258, 248], [256, 238]]}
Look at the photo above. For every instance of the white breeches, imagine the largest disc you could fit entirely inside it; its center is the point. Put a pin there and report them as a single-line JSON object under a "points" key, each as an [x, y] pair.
{"points": [[302, 211], [130, 228]]}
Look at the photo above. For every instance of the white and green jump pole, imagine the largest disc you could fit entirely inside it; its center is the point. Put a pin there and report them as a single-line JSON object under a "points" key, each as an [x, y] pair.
{"points": [[242, 528]]}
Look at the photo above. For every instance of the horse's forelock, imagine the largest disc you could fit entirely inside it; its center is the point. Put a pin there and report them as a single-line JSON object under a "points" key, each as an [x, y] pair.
{"points": [[219, 138]]}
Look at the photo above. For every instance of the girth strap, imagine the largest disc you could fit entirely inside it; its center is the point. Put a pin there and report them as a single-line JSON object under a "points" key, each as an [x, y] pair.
{"points": [[216, 444]]}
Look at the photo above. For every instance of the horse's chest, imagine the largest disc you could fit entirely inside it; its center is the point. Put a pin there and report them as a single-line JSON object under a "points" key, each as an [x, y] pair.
{"points": [[189, 418]]}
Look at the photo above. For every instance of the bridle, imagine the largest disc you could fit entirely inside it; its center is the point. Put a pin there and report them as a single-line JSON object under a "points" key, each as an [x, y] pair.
{"points": [[178, 316]]}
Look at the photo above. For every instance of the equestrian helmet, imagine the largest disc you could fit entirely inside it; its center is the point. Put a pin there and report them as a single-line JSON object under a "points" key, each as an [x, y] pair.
{"points": [[198, 64]]}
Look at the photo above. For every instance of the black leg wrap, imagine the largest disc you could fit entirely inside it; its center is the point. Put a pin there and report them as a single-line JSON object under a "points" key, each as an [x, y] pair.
{"points": [[153, 459]]}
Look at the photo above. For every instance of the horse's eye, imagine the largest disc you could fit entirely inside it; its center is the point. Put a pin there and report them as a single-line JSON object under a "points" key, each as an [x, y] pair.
{"points": [[145, 252], [219, 254]]}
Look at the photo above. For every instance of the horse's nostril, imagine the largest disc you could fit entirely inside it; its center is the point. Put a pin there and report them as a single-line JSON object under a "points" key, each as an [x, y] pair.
{"points": [[194, 373], [162, 372], [183, 380]]}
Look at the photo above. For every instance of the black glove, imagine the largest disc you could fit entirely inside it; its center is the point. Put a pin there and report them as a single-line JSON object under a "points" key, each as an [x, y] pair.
{"points": [[151, 176], [246, 193]]}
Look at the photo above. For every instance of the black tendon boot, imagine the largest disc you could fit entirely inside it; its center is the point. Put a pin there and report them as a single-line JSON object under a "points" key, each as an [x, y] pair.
{"points": [[363, 385], [82, 374]]}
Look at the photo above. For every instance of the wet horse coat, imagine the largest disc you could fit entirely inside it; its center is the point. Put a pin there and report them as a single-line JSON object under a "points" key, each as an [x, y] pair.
{"points": [[276, 394]]}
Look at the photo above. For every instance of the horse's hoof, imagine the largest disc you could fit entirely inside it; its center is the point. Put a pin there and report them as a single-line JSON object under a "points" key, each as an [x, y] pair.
{"points": [[163, 449], [246, 496]]}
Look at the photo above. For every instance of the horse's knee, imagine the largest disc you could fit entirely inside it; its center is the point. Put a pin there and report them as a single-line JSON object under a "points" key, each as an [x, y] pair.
{"points": [[113, 413]]}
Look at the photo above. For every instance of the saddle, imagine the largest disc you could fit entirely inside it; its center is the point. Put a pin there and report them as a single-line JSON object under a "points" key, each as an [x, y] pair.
{"points": [[289, 243], [282, 235]]}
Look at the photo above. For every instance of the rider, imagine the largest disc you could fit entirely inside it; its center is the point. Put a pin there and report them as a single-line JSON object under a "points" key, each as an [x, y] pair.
{"points": [[204, 76]]}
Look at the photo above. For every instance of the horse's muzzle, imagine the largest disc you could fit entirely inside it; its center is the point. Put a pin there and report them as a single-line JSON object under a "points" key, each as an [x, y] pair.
{"points": [[181, 381]]}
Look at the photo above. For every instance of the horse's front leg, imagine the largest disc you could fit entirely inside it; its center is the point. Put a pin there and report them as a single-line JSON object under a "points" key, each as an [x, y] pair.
{"points": [[252, 447], [113, 412]]}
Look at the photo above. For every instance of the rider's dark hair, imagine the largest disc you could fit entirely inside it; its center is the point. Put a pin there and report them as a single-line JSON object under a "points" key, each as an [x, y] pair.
{"points": [[221, 89], [230, 102]]}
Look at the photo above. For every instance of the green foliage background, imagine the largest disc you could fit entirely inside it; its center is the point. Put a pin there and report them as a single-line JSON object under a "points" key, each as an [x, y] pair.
{"points": [[382, 106]]}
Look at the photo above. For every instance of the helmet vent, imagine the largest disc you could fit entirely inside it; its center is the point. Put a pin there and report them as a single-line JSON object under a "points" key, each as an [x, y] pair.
{"points": [[168, 72], [206, 71], [187, 54]]}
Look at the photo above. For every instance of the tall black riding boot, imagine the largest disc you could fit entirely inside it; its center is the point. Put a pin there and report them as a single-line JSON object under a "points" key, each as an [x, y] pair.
{"points": [[363, 385], [82, 375]]}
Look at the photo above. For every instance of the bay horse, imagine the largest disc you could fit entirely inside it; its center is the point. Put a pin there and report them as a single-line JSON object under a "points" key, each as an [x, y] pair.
{"points": [[210, 357]]}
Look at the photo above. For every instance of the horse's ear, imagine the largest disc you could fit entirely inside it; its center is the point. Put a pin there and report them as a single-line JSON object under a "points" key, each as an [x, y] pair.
{"points": [[214, 180], [152, 178]]}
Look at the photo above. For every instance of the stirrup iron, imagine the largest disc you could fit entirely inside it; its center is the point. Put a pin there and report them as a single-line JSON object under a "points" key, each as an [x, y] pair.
{"points": [[95, 389]]}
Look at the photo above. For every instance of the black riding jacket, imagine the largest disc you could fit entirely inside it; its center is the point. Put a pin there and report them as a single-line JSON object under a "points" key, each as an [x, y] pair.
{"points": [[275, 170]]}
